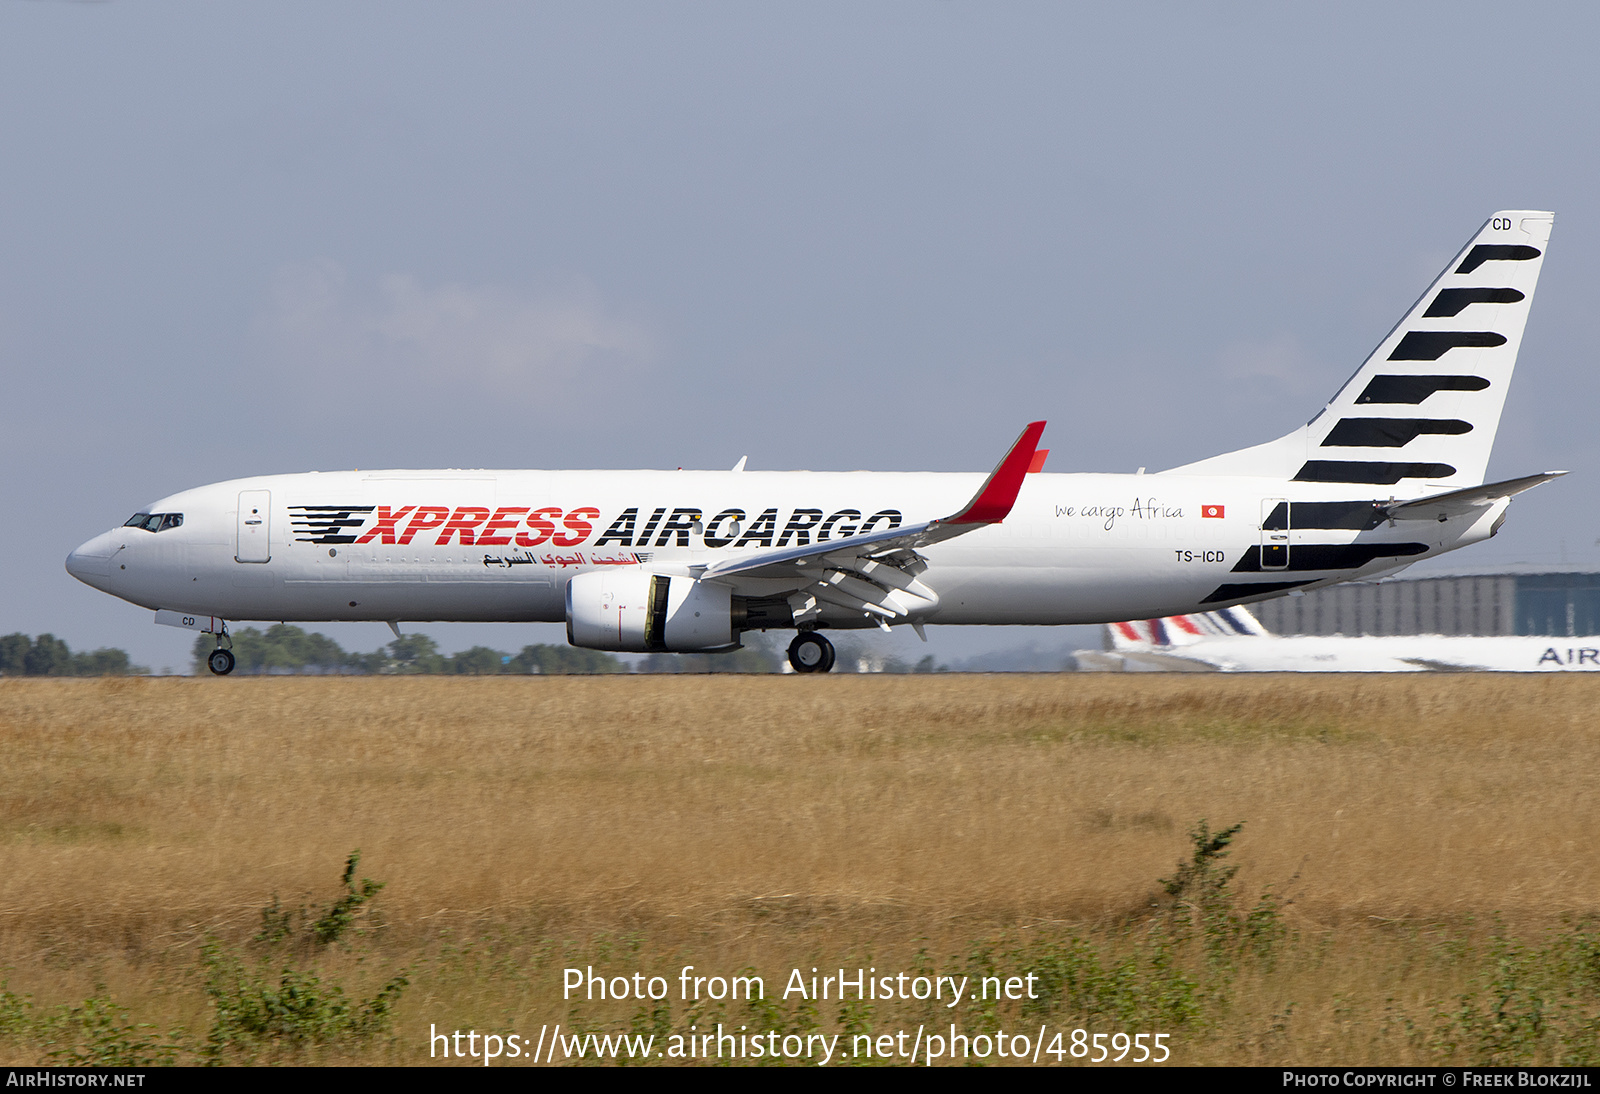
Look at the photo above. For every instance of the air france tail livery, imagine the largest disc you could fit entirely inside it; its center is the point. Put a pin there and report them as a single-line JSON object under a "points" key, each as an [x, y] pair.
{"points": [[1390, 472], [1233, 640]]}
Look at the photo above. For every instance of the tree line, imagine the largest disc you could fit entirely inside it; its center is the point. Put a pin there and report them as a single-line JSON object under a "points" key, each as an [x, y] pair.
{"points": [[285, 648], [48, 655]]}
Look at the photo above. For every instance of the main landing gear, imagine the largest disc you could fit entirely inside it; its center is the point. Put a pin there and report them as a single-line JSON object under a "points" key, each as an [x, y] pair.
{"points": [[220, 661], [810, 652]]}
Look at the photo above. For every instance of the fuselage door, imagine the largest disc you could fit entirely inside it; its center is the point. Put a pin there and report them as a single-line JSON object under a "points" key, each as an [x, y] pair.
{"points": [[1274, 534], [254, 545]]}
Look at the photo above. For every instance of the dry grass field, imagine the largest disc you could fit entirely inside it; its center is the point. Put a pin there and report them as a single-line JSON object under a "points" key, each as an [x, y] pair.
{"points": [[1426, 844]]}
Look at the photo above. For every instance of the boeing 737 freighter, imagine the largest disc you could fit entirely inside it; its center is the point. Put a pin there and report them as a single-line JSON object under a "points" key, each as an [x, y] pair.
{"points": [[1390, 472]]}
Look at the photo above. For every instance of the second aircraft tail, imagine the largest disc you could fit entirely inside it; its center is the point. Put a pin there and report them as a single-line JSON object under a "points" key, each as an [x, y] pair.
{"points": [[1181, 630]]}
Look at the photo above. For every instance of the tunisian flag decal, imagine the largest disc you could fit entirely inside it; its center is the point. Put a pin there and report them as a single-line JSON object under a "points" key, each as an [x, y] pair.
{"points": [[1211, 511]]}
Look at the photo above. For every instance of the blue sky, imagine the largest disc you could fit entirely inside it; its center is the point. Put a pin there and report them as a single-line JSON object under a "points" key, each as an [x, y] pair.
{"points": [[238, 239]]}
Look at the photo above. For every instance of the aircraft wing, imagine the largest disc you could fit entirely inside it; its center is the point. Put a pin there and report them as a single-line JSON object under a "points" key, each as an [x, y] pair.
{"points": [[876, 574], [1457, 503]]}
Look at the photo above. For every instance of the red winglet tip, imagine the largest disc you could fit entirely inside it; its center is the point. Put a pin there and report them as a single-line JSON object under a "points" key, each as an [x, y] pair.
{"points": [[999, 493]]}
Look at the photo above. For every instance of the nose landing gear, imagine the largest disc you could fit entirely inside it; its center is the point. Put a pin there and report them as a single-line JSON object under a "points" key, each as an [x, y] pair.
{"points": [[220, 661], [810, 652]]}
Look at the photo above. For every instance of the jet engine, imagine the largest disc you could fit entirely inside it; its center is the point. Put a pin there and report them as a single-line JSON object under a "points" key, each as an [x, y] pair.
{"points": [[635, 612]]}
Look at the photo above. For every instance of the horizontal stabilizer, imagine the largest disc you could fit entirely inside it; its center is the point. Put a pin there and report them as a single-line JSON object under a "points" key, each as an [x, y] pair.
{"points": [[1457, 503]]}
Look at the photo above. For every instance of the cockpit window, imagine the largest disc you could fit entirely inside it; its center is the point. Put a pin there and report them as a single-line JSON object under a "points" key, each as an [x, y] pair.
{"points": [[154, 522]]}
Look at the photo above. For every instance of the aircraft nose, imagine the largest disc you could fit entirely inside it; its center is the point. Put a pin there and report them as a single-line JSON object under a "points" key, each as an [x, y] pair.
{"points": [[91, 562]]}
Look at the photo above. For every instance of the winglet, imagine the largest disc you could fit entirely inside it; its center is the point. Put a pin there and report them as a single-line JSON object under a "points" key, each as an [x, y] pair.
{"points": [[998, 493]]}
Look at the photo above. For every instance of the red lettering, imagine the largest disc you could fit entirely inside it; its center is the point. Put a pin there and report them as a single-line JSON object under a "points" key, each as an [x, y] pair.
{"points": [[542, 523], [421, 523], [499, 522], [467, 518], [386, 525], [580, 528]]}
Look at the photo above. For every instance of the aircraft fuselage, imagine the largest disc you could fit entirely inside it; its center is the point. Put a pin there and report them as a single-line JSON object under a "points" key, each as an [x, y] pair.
{"points": [[502, 545]]}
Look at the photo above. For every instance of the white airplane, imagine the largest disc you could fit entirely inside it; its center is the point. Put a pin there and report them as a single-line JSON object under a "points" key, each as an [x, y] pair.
{"points": [[1233, 640], [1390, 472]]}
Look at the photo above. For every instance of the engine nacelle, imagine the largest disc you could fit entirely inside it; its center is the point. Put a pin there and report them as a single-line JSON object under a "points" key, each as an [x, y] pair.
{"points": [[633, 612]]}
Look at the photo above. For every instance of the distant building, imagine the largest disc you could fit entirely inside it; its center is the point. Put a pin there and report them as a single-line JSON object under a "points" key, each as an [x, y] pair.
{"points": [[1510, 600]]}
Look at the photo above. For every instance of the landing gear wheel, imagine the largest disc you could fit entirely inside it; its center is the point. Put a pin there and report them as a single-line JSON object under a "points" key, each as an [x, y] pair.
{"points": [[220, 661], [810, 652]]}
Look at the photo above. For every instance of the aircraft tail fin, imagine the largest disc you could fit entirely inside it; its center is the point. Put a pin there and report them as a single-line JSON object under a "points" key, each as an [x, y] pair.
{"points": [[1420, 415], [1181, 630]]}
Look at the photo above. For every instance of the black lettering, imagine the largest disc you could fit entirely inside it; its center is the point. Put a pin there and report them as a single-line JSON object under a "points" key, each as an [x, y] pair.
{"points": [[761, 530], [800, 527], [732, 517], [682, 522], [650, 527], [621, 530], [828, 526], [889, 516]]}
